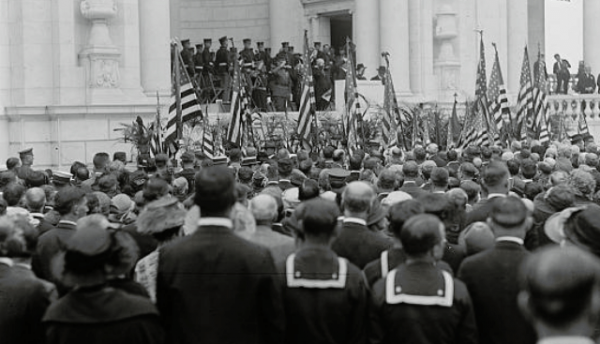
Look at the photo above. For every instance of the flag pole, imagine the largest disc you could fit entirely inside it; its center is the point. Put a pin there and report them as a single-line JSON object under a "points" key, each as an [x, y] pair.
{"points": [[176, 67]]}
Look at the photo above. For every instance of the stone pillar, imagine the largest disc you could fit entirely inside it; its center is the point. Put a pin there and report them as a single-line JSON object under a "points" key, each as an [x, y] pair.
{"points": [[155, 57], [518, 23], [394, 38], [365, 19], [591, 27]]}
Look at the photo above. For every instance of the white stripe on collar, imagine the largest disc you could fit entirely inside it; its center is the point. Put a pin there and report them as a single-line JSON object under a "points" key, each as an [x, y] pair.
{"points": [[337, 282], [68, 222], [392, 298], [355, 220], [215, 221], [6, 261], [384, 263], [511, 239]]}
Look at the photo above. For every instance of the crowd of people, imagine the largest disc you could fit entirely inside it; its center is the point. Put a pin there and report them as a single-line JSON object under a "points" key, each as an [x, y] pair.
{"points": [[273, 82], [484, 245]]}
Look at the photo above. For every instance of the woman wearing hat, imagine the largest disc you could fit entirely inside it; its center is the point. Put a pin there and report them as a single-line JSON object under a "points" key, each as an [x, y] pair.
{"points": [[163, 220], [93, 311]]}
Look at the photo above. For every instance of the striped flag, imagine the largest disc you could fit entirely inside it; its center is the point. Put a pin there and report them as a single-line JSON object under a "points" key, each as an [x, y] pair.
{"points": [[477, 131], [539, 128], [306, 113], [352, 107], [524, 100], [239, 103], [208, 144], [498, 107], [454, 128], [390, 113], [183, 99]]}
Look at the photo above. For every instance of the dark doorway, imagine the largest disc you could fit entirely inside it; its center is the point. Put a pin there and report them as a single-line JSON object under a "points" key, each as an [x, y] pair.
{"points": [[341, 28]]}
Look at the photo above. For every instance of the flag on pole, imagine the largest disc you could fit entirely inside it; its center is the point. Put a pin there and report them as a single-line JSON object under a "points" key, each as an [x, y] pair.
{"points": [[524, 100], [352, 107], [234, 131], [306, 113], [539, 124], [183, 101], [454, 128], [498, 107], [480, 108], [390, 113]]}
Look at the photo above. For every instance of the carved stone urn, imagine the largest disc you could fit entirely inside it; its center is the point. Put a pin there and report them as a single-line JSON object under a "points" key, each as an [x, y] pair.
{"points": [[100, 57]]}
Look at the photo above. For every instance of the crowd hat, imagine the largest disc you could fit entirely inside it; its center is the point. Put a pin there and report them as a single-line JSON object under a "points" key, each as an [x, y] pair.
{"points": [[161, 215]]}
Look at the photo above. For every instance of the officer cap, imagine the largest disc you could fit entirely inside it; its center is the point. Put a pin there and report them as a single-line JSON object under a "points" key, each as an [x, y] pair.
{"points": [[26, 151], [187, 157], [260, 44], [184, 41], [285, 44], [360, 66], [317, 44], [247, 40], [198, 46], [223, 39], [220, 160], [207, 40], [338, 174], [576, 138], [61, 177]]}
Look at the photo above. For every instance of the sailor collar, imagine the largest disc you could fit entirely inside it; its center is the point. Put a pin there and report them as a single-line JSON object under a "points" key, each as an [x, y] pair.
{"points": [[295, 280], [394, 294]]}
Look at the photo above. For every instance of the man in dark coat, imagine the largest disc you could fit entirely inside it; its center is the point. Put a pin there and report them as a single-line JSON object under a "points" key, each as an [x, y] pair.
{"points": [[324, 295], [214, 286], [561, 70], [356, 242], [410, 169], [222, 65], [492, 276], [187, 56], [418, 302], [26, 156], [495, 180]]}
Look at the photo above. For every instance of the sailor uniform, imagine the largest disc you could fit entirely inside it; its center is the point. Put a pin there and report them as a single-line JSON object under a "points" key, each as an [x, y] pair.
{"points": [[390, 260], [325, 298], [430, 305]]}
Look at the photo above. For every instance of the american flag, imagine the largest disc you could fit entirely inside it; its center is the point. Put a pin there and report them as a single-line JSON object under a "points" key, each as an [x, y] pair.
{"points": [[498, 108], [454, 128], [390, 113], [239, 103], [352, 104], [524, 100], [183, 95], [208, 144], [306, 113], [539, 124], [477, 128]]}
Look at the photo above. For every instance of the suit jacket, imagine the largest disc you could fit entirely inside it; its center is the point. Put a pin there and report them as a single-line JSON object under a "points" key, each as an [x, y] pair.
{"points": [[480, 211], [49, 245], [492, 279], [215, 287], [359, 244], [23, 304], [325, 298], [280, 245], [413, 190]]}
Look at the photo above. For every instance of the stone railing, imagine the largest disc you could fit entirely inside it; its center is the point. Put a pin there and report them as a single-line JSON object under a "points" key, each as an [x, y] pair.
{"points": [[574, 104]]}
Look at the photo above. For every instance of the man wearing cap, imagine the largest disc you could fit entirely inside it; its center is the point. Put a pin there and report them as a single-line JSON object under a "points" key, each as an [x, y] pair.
{"points": [[360, 71], [325, 295], [207, 58], [380, 75], [247, 55], [356, 242], [199, 285], [26, 156], [187, 56], [222, 64], [418, 302], [492, 275], [280, 85], [563, 310], [61, 180], [198, 61]]}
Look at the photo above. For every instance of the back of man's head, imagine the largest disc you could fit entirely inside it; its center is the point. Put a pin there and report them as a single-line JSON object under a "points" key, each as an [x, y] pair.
{"points": [[591, 159], [507, 213], [471, 188], [439, 177], [420, 234], [338, 155], [496, 175], [355, 162], [452, 155], [528, 168], [11, 163], [560, 289], [420, 154], [328, 152], [100, 161], [513, 166], [215, 191], [263, 208], [559, 178], [438, 205], [468, 171], [35, 199], [410, 169], [358, 197], [319, 218], [387, 180], [13, 193], [235, 154], [399, 213], [66, 198]]}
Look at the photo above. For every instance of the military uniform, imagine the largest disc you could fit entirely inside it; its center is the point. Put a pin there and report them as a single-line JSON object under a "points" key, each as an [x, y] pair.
{"points": [[188, 58], [325, 298], [431, 306], [198, 60], [207, 59], [222, 63], [24, 171]]}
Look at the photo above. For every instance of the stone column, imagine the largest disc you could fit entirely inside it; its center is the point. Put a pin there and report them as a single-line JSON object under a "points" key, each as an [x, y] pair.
{"points": [[591, 27], [394, 38], [155, 57], [518, 23], [366, 17]]}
